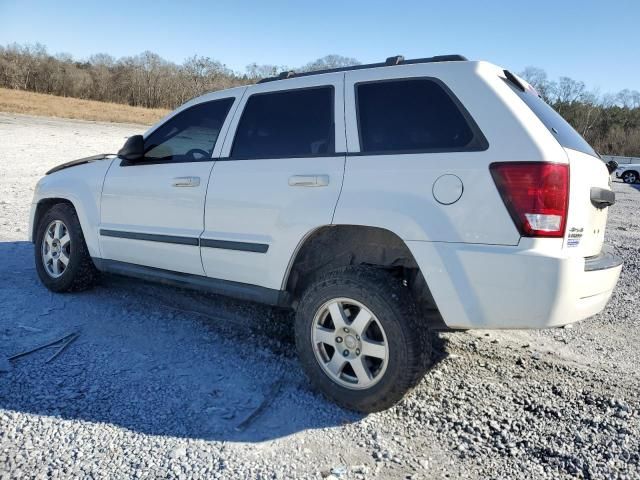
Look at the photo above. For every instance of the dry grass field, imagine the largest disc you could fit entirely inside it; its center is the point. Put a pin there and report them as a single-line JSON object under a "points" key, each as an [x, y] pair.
{"points": [[17, 101]]}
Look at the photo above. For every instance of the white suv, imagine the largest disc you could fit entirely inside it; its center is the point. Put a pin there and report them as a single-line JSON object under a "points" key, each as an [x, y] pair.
{"points": [[629, 173], [379, 201]]}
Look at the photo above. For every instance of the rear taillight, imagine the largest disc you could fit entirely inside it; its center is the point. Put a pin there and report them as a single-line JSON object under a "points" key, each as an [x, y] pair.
{"points": [[536, 195]]}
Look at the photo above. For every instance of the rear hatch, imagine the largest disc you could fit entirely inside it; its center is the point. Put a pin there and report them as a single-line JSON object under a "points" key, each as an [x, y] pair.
{"points": [[586, 220]]}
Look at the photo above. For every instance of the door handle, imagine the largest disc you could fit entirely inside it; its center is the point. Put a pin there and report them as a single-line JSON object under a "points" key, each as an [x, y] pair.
{"points": [[186, 182], [309, 180]]}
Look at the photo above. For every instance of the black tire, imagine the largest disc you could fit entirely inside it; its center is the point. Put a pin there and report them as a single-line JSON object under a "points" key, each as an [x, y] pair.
{"points": [[630, 177], [408, 339], [80, 273]]}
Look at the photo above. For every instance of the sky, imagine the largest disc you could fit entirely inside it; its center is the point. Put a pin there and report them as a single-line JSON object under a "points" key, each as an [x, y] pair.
{"points": [[597, 42]]}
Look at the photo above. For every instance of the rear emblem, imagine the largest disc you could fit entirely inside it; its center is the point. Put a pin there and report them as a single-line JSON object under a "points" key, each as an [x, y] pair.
{"points": [[575, 234]]}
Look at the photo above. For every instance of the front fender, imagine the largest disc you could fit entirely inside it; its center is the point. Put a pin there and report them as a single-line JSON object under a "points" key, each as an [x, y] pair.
{"points": [[82, 186]]}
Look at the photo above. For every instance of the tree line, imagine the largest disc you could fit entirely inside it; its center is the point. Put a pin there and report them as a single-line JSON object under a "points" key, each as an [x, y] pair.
{"points": [[145, 80], [610, 122]]}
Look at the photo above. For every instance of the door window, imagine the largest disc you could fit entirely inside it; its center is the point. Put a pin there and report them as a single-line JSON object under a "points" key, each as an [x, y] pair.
{"points": [[413, 115], [293, 123], [190, 135]]}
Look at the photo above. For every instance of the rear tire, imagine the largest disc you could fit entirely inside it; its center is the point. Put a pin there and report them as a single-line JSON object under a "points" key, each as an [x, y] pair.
{"points": [[62, 260], [367, 369]]}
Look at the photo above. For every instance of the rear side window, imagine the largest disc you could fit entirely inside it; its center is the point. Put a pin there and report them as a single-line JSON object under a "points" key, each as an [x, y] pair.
{"points": [[558, 126], [413, 115], [286, 124], [190, 135]]}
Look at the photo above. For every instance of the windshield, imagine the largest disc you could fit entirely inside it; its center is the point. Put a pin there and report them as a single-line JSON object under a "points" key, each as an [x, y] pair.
{"points": [[558, 126]]}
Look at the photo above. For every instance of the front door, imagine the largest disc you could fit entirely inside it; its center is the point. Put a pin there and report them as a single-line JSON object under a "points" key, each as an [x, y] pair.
{"points": [[278, 178], [152, 210]]}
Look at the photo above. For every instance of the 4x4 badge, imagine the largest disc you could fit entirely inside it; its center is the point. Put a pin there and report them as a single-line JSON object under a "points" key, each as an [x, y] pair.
{"points": [[575, 234]]}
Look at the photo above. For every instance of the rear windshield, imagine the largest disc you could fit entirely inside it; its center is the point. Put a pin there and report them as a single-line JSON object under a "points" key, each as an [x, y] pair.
{"points": [[558, 126]]}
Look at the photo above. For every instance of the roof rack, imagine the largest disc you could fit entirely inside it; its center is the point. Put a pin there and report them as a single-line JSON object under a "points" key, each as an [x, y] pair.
{"points": [[389, 62]]}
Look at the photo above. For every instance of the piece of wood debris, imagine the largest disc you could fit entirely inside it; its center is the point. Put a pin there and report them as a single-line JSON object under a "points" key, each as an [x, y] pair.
{"points": [[52, 343], [29, 329], [62, 348], [266, 401]]}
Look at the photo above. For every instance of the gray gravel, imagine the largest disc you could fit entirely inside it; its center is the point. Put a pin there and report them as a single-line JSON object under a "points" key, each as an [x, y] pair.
{"points": [[164, 383]]}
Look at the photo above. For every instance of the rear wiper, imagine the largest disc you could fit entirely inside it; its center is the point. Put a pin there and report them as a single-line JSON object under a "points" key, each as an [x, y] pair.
{"points": [[513, 79]]}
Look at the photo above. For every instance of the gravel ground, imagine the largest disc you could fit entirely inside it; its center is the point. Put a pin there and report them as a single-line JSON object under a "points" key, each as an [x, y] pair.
{"points": [[169, 383]]}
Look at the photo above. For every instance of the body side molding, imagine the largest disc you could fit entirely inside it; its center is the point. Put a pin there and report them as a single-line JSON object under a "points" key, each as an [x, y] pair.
{"points": [[194, 241], [150, 237], [230, 245]]}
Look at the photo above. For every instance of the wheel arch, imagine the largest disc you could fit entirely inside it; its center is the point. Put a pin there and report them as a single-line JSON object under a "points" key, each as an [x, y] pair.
{"points": [[334, 246], [44, 204]]}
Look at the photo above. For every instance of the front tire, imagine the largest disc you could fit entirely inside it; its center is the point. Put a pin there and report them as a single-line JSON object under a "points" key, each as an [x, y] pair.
{"points": [[630, 177], [360, 339], [62, 260]]}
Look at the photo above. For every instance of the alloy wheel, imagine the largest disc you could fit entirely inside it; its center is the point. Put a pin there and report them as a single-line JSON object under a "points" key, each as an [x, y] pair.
{"points": [[349, 343], [56, 249]]}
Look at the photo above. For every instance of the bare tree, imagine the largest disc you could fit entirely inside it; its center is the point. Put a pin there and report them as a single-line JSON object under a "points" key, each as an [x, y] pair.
{"points": [[205, 74], [101, 72], [569, 91], [539, 80], [329, 61], [255, 72]]}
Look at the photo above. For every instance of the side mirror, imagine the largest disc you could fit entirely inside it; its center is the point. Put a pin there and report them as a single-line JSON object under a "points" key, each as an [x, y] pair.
{"points": [[612, 165], [133, 149]]}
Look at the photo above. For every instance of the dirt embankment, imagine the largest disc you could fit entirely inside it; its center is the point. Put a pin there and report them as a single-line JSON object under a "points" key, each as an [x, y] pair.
{"points": [[17, 101]]}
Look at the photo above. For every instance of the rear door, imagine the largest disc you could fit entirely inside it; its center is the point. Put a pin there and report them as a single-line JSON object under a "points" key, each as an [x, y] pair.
{"points": [[278, 179], [152, 210], [418, 164]]}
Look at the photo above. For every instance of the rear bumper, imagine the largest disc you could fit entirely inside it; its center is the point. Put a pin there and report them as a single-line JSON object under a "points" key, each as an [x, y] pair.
{"points": [[603, 261], [486, 286]]}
